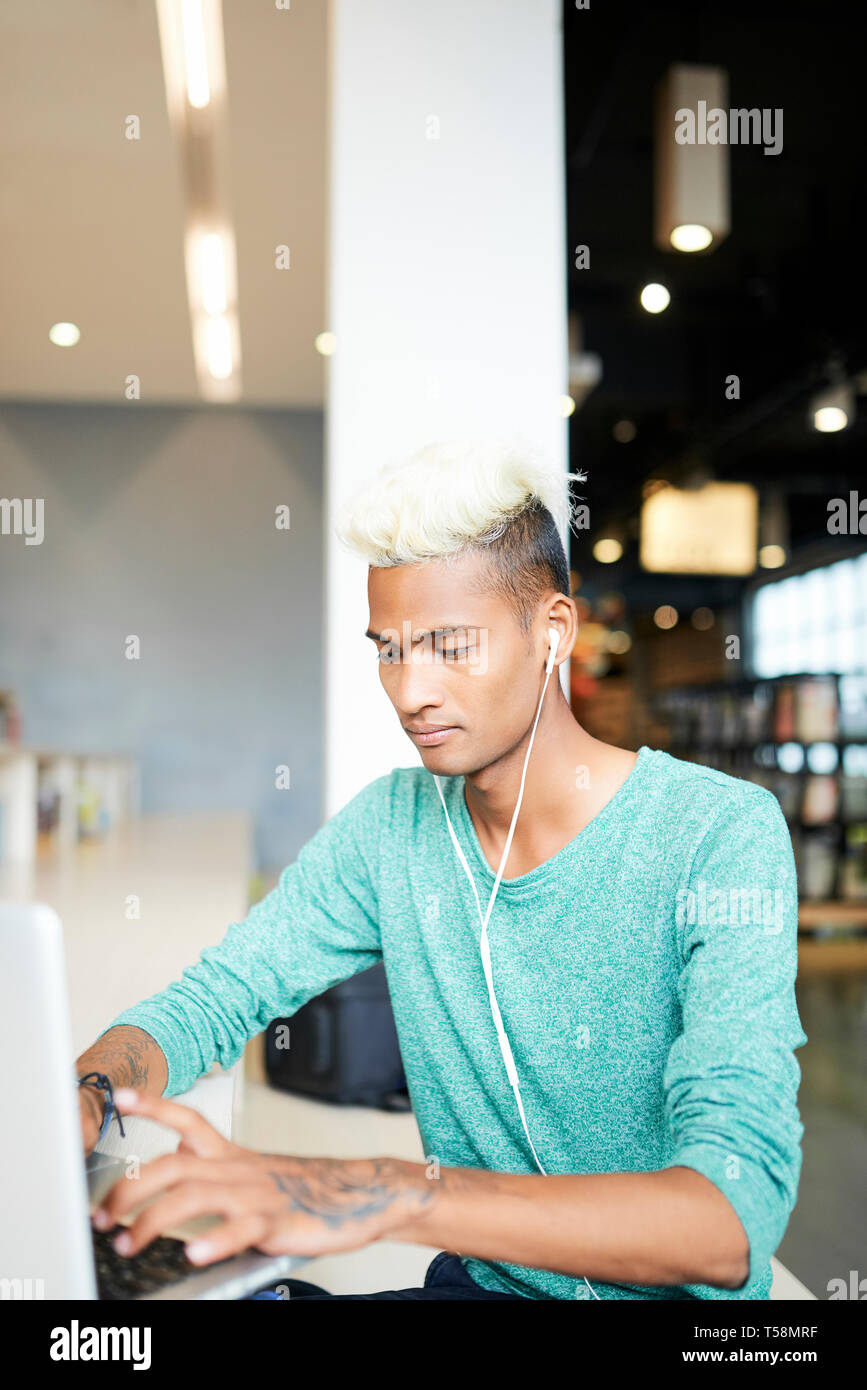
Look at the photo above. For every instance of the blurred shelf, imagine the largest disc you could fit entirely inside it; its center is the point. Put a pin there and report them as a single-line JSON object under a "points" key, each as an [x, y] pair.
{"points": [[832, 957], [50, 798], [835, 916]]}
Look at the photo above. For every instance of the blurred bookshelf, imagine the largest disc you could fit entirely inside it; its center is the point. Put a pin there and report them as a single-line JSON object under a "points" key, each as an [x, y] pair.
{"points": [[804, 738]]}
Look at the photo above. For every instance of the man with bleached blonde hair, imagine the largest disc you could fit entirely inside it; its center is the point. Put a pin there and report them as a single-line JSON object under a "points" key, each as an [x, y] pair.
{"points": [[603, 1076]]}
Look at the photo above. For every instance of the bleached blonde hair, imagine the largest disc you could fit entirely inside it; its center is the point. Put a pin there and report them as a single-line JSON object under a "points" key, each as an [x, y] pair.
{"points": [[449, 498]]}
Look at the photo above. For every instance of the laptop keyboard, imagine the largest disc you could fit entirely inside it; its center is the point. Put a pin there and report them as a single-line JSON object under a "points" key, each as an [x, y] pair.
{"points": [[161, 1263]]}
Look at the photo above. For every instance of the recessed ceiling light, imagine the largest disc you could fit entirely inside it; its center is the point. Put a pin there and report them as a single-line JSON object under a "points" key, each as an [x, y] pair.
{"points": [[828, 419], [655, 298], [771, 557], [691, 236], [703, 619], [325, 343], [618, 642], [666, 616], [607, 551], [64, 334], [834, 408]]}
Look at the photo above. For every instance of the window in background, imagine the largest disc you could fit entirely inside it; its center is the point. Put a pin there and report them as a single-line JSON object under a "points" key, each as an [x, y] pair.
{"points": [[812, 622]]}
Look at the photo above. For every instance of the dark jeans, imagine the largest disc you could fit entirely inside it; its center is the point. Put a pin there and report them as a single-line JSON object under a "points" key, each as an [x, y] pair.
{"points": [[445, 1278]]}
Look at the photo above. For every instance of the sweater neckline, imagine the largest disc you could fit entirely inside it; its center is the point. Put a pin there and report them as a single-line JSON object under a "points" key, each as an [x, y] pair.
{"points": [[529, 882]]}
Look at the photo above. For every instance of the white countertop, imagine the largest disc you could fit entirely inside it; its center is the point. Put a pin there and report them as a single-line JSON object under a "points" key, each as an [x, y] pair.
{"points": [[190, 874]]}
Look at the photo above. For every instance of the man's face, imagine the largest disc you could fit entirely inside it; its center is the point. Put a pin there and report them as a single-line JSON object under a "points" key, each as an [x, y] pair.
{"points": [[455, 658]]}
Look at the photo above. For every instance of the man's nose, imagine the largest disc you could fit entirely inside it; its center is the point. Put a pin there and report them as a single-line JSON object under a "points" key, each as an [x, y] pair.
{"points": [[417, 682]]}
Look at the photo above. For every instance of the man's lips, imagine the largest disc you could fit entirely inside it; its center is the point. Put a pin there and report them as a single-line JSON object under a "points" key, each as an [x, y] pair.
{"points": [[427, 734]]}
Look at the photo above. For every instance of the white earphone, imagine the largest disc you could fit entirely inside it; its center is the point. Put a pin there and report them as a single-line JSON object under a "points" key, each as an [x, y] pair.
{"points": [[484, 947], [553, 644]]}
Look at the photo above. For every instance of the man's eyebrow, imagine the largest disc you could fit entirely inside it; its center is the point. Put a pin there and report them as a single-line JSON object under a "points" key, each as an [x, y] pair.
{"points": [[420, 632]]}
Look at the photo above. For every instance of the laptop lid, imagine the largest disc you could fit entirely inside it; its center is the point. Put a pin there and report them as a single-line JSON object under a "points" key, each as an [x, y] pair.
{"points": [[46, 1246], [45, 1240]]}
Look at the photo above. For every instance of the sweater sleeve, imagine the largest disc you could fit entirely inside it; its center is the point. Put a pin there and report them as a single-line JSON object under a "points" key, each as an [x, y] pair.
{"points": [[731, 1078], [317, 927]]}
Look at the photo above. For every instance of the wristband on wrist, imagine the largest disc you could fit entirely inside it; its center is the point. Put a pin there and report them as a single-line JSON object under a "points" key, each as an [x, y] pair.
{"points": [[100, 1082]]}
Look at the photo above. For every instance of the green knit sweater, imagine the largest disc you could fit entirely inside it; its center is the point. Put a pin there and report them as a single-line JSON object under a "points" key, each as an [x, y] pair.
{"points": [[644, 974]]}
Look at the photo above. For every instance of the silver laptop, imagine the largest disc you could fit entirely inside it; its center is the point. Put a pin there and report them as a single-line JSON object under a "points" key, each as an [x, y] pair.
{"points": [[47, 1246]]}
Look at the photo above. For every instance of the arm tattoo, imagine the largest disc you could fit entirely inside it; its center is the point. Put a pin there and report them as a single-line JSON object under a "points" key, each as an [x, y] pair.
{"points": [[125, 1054], [129, 1062], [337, 1190]]}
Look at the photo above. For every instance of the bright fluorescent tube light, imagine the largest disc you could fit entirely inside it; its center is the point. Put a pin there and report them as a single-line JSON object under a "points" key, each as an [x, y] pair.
{"points": [[209, 255], [219, 347], [194, 64], [212, 272], [195, 53]]}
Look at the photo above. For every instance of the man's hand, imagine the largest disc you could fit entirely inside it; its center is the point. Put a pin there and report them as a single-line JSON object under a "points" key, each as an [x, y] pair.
{"points": [[279, 1205]]}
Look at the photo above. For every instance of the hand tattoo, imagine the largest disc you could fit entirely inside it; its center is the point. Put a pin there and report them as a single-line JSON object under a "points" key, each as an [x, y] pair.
{"points": [[341, 1190]]}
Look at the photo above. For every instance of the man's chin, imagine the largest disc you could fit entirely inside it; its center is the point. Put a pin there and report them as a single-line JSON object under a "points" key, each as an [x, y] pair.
{"points": [[443, 757], [450, 762]]}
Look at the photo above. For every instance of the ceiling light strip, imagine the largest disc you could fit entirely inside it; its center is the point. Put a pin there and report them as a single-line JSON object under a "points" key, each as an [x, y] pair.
{"points": [[194, 67]]}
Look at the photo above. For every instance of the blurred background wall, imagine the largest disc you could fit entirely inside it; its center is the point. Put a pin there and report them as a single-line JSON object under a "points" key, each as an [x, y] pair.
{"points": [[160, 524]]}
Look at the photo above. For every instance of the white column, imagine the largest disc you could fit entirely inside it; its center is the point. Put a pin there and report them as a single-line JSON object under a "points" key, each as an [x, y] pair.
{"points": [[447, 282]]}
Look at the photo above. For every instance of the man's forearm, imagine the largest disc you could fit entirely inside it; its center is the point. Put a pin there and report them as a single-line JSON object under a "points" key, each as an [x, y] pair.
{"points": [[670, 1227], [129, 1057]]}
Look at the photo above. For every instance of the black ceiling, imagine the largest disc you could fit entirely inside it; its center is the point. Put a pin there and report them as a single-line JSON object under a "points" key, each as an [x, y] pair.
{"points": [[783, 293]]}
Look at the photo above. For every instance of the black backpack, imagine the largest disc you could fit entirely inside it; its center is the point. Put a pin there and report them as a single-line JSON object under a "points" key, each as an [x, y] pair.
{"points": [[341, 1046]]}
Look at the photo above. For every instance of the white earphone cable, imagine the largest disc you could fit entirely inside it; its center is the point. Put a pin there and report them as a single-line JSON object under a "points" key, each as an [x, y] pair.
{"points": [[484, 946]]}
